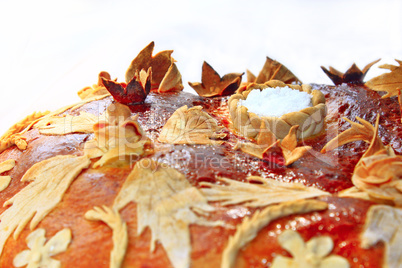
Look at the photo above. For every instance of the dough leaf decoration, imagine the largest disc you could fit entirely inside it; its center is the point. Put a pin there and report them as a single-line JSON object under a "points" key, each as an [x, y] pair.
{"points": [[49, 180], [191, 126], [134, 92], [285, 151], [391, 82], [379, 171], [66, 124], [383, 223], [119, 139], [265, 138], [400, 101], [97, 89], [171, 81], [165, 75], [357, 132], [249, 228], [120, 236], [212, 84], [166, 203], [6, 166], [13, 136], [353, 75], [263, 193], [272, 70], [379, 175]]}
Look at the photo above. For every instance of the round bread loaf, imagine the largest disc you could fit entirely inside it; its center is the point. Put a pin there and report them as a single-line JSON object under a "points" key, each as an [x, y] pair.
{"points": [[167, 181]]}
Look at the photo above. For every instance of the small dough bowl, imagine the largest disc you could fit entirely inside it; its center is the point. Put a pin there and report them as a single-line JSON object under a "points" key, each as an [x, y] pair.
{"points": [[310, 120]]}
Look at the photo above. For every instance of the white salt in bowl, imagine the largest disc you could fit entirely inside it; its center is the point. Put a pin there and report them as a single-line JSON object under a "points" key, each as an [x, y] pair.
{"points": [[281, 106], [276, 101]]}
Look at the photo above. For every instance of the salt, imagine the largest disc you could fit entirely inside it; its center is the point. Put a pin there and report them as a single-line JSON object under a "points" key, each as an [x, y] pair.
{"points": [[276, 101]]}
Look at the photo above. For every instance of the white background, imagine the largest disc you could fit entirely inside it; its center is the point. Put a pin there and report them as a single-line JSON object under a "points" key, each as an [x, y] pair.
{"points": [[51, 49]]}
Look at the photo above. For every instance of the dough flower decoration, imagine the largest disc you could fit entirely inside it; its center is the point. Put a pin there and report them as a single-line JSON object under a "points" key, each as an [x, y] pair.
{"points": [[272, 70], [212, 84], [390, 82], [134, 92], [39, 253], [379, 171], [119, 139], [267, 147], [310, 120], [165, 75], [96, 89], [353, 75], [313, 254]]}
